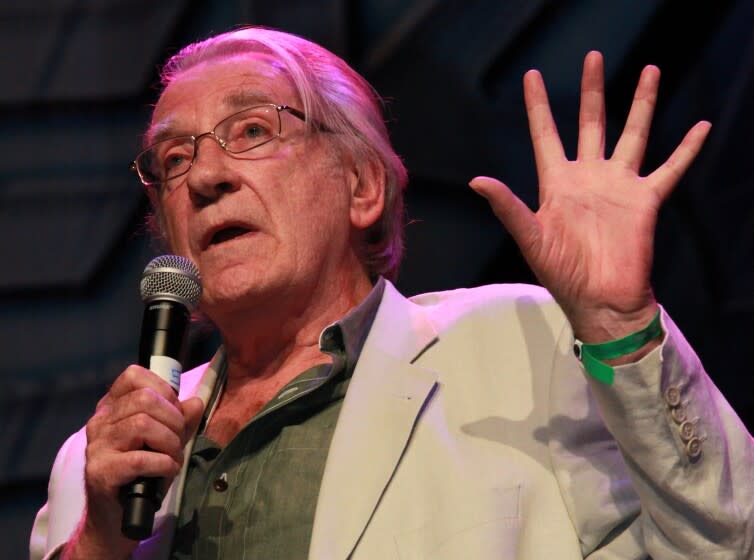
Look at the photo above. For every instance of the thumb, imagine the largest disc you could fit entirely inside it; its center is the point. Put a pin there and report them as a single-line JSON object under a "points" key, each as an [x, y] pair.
{"points": [[193, 409], [515, 216]]}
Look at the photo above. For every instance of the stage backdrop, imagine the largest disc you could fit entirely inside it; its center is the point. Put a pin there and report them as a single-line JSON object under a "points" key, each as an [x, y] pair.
{"points": [[77, 80]]}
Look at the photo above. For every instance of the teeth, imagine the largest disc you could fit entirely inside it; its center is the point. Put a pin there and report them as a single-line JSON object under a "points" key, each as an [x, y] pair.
{"points": [[227, 234]]}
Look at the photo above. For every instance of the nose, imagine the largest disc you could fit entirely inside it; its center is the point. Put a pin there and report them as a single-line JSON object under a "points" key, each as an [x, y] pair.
{"points": [[213, 172]]}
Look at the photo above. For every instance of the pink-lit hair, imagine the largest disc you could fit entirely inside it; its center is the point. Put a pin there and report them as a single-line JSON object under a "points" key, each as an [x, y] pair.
{"points": [[336, 98]]}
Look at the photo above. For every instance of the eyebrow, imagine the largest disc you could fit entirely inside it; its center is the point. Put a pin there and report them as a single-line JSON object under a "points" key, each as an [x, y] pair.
{"points": [[245, 98], [235, 100]]}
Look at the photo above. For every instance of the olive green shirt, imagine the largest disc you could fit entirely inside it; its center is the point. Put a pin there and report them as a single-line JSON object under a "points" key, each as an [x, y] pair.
{"points": [[256, 497]]}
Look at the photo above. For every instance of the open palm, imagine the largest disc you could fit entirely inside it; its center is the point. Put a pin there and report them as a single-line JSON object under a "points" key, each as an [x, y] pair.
{"points": [[590, 243]]}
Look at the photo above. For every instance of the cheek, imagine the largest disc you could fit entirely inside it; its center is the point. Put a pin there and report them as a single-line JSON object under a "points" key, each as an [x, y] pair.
{"points": [[323, 226], [322, 192], [319, 206], [175, 226]]}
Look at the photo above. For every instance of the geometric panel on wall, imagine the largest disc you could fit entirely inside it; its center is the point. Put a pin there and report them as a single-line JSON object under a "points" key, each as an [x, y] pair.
{"points": [[82, 50]]}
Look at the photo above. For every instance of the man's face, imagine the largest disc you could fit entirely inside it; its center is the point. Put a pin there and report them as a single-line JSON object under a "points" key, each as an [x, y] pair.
{"points": [[259, 229]]}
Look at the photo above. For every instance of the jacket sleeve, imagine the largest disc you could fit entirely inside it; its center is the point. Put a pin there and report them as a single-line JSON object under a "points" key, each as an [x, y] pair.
{"points": [[669, 473], [57, 519]]}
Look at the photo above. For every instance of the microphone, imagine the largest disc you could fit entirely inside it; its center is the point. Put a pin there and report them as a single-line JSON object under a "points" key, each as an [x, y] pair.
{"points": [[171, 289]]}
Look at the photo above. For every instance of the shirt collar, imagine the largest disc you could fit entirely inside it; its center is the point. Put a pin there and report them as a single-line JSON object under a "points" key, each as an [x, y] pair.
{"points": [[347, 335]]}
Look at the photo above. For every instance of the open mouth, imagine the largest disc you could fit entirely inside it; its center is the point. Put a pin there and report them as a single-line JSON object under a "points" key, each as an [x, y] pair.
{"points": [[226, 234]]}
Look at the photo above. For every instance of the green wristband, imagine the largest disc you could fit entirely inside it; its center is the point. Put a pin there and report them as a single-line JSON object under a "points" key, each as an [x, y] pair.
{"points": [[593, 355]]}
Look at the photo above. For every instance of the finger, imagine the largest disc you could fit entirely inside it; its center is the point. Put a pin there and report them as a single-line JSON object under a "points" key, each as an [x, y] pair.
{"points": [[150, 402], [592, 108], [632, 143], [112, 471], [138, 432], [666, 177], [137, 377], [104, 401], [548, 149], [517, 218]]}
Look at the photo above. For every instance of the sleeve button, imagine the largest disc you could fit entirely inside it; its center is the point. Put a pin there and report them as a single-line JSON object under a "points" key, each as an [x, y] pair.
{"points": [[687, 430], [678, 414], [694, 447], [672, 396]]}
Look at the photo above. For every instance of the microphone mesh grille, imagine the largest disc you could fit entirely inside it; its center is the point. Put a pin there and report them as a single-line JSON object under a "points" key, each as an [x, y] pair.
{"points": [[172, 277]]}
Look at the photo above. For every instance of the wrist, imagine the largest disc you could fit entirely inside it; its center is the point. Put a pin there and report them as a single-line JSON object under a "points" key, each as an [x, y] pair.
{"points": [[90, 541], [605, 324], [598, 358]]}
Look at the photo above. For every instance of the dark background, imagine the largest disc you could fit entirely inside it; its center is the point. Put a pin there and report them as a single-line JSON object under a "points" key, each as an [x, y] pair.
{"points": [[78, 77]]}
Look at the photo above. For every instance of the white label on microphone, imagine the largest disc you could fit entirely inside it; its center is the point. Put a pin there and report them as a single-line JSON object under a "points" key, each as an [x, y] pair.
{"points": [[168, 369]]}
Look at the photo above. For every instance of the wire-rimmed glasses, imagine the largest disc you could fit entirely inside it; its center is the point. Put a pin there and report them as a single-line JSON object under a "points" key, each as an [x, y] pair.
{"points": [[248, 129]]}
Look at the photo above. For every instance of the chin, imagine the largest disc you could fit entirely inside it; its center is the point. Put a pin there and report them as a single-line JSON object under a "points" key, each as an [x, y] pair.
{"points": [[234, 288], [229, 286]]}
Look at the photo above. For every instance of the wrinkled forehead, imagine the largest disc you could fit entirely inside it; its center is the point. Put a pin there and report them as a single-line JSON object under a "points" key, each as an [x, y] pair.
{"points": [[218, 87]]}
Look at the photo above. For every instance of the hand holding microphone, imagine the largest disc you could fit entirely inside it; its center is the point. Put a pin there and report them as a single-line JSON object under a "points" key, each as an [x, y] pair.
{"points": [[136, 437], [171, 289]]}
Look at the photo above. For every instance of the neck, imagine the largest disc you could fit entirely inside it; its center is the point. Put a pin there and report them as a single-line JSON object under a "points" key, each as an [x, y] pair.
{"points": [[273, 342]]}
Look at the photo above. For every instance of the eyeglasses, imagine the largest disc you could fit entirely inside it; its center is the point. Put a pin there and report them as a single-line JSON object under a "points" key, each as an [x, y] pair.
{"points": [[251, 129]]}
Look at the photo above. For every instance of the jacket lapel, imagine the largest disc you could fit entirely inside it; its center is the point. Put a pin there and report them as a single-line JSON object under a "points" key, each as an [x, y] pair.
{"points": [[384, 399], [198, 382]]}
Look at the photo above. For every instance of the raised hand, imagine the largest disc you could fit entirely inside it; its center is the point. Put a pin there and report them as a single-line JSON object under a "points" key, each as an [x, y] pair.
{"points": [[140, 411], [590, 243]]}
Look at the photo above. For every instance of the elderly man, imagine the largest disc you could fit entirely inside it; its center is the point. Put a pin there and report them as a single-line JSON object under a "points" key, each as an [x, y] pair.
{"points": [[342, 420]]}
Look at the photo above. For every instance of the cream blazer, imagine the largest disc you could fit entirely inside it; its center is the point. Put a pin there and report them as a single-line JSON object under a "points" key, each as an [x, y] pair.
{"points": [[470, 431]]}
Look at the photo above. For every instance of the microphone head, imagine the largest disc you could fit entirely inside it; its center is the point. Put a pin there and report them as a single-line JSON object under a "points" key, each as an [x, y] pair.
{"points": [[173, 278]]}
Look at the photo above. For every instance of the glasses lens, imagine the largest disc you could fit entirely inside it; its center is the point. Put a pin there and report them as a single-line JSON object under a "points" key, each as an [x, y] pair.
{"points": [[250, 128], [166, 159], [240, 132]]}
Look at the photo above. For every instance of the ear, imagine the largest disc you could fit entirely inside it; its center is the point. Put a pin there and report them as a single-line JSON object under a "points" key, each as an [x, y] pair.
{"points": [[367, 182]]}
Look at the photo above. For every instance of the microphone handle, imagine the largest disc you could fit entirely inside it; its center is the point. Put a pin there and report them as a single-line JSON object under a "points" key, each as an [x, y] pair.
{"points": [[163, 333]]}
